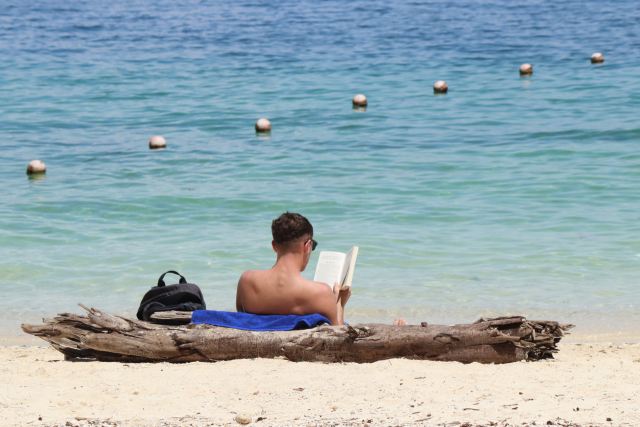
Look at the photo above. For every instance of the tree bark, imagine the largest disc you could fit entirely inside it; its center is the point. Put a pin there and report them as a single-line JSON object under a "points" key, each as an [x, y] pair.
{"points": [[103, 336]]}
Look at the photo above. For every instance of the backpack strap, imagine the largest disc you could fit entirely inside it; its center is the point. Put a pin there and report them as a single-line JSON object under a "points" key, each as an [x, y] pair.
{"points": [[161, 282]]}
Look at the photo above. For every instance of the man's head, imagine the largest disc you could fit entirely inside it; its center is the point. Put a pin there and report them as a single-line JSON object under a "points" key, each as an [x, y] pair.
{"points": [[291, 232]]}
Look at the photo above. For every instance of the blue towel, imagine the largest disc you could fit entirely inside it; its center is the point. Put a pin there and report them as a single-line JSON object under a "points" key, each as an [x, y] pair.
{"points": [[257, 322]]}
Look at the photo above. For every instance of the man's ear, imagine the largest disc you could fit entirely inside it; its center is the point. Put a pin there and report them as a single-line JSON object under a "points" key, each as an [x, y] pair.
{"points": [[273, 245]]}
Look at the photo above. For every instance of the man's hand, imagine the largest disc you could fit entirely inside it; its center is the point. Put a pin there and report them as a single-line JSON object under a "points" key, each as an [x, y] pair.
{"points": [[341, 296]]}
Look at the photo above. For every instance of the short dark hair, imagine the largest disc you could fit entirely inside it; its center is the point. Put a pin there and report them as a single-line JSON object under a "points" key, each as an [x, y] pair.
{"points": [[289, 227]]}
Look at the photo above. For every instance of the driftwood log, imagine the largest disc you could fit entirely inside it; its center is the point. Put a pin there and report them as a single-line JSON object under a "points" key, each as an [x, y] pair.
{"points": [[106, 337]]}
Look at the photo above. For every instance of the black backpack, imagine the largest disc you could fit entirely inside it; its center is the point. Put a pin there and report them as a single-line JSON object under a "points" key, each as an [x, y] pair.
{"points": [[181, 297]]}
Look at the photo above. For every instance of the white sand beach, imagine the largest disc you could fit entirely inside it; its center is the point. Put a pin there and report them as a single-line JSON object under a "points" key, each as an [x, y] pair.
{"points": [[587, 384]]}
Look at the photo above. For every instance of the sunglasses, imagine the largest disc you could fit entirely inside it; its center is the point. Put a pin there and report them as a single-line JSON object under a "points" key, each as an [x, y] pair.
{"points": [[313, 244]]}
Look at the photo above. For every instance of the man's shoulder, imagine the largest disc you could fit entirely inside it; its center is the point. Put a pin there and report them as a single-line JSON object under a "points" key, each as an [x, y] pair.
{"points": [[313, 297], [248, 273], [316, 287], [252, 275]]}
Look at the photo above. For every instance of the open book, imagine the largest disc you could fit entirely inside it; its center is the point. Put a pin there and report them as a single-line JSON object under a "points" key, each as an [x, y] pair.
{"points": [[336, 267]]}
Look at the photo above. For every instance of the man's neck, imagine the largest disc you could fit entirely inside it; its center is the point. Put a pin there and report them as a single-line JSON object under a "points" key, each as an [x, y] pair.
{"points": [[290, 262]]}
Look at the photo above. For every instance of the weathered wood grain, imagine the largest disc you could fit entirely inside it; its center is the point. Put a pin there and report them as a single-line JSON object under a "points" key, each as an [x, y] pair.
{"points": [[106, 337]]}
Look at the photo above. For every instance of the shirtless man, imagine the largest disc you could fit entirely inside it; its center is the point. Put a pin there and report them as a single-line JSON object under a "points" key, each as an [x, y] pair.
{"points": [[281, 289]]}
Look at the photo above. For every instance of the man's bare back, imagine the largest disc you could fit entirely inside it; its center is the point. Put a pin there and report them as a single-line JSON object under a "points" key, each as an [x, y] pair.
{"points": [[282, 289]]}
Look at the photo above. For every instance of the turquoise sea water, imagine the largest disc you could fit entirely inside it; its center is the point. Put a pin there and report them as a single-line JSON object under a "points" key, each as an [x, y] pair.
{"points": [[508, 195]]}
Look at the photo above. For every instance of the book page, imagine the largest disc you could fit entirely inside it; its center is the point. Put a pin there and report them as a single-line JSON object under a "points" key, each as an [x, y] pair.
{"points": [[347, 270], [329, 269]]}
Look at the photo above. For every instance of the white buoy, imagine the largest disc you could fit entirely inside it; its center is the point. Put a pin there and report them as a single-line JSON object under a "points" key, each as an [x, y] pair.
{"points": [[440, 87], [157, 142], [36, 167], [597, 58], [526, 70], [263, 125], [360, 100]]}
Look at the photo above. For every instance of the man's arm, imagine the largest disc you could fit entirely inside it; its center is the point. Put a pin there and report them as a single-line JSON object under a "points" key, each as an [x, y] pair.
{"points": [[322, 301], [341, 300], [239, 292], [328, 308], [328, 303]]}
